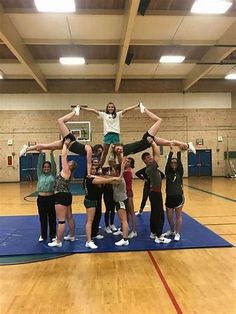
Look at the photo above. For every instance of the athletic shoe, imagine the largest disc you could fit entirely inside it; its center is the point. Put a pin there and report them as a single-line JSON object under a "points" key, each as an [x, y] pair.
{"points": [[77, 110], [108, 230], [99, 237], [118, 232], [162, 239], [113, 228], [122, 242], [55, 244], [141, 107], [152, 236], [41, 239], [91, 245], [168, 233], [139, 213], [23, 150], [177, 237], [191, 147], [133, 234], [69, 238]]}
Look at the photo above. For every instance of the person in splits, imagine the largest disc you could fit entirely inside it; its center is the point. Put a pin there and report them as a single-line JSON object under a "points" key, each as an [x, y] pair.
{"points": [[120, 150], [63, 199], [141, 174], [46, 172], [91, 184], [157, 212], [174, 193], [128, 176], [111, 125], [73, 145]]}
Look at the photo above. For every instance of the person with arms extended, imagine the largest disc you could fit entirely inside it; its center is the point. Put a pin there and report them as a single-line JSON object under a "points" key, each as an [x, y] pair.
{"points": [[174, 193]]}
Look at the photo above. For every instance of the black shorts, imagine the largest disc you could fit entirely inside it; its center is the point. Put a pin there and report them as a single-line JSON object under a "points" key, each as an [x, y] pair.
{"points": [[75, 147], [174, 201], [63, 198], [139, 146], [122, 205]]}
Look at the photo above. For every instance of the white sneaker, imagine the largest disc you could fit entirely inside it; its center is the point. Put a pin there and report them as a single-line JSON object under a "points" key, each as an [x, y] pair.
{"points": [[23, 150], [99, 237], [139, 213], [108, 230], [40, 239], [162, 239], [152, 236], [168, 233], [118, 232], [177, 237], [122, 242], [141, 107], [77, 110], [113, 228], [133, 234], [55, 244], [69, 238], [191, 147], [91, 245]]}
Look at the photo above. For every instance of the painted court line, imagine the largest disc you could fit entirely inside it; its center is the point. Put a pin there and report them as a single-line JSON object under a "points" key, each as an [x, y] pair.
{"points": [[211, 193], [165, 284]]}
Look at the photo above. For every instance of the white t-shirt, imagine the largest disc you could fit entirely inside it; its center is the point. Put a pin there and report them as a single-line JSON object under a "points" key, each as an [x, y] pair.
{"points": [[110, 124]]}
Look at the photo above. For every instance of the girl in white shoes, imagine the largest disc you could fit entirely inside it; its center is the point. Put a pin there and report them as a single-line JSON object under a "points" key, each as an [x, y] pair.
{"points": [[63, 199], [121, 203], [174, 193], [91, 185]]}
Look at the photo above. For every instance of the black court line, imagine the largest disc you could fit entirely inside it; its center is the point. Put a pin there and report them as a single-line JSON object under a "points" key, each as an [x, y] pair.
{"points": [[211, 193]]}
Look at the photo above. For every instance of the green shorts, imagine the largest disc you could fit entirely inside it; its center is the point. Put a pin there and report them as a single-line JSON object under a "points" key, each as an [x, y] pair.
{"points": [[111, 138], [90, 203]]}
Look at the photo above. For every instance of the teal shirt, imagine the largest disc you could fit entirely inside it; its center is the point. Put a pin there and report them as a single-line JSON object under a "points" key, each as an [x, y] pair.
{"points": [[46, 182]]}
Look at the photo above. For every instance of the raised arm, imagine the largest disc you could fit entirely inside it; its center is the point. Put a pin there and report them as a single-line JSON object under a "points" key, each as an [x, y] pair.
{"points": [[156, 152], [40, 164], [102, 180], [168, 166], [179, 163], [64, 163], [90, 110], [53, 164], [128, 109], [89, 153]]}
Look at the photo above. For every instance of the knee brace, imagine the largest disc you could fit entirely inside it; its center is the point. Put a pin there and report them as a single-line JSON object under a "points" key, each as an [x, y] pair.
{"points": [[61, 222]]}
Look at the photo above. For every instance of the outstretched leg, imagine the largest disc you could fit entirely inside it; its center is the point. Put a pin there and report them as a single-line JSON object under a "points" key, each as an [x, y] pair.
{"points": [[51, 146], [61, 123]]}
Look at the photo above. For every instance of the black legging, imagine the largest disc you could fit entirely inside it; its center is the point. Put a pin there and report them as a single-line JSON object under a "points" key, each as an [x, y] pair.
{"points": [[97, 217], [109, 204], [146, 191], [157, 213], [47, 215]]}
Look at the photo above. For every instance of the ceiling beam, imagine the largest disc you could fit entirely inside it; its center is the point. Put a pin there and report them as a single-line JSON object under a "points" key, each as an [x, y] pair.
{"points": [[129, 17], [13, 41], [213, 55]]}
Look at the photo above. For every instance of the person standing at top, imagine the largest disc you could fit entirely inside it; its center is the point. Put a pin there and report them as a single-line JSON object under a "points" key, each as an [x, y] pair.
{"points": [[111, 125], [46, 172]]}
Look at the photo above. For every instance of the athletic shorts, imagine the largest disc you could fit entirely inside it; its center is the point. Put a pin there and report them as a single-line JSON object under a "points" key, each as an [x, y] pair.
{"points": [[63, 198], [76, 147], [90, 203], [111, 138], [122, 205], [174, 201], [138, 146]]}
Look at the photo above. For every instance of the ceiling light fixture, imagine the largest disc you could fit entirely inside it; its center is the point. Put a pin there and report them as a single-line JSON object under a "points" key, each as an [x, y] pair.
{"points": [[57, 6], [211, 6], [72, 60], [231, 76], [172, 59]]}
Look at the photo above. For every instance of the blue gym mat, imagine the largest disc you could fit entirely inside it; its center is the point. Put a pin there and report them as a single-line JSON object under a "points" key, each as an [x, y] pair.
{"points": [[19, 236]]}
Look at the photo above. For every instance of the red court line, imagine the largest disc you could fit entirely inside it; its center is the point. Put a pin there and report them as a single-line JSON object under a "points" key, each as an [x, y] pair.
{"points": [[165, 284]]}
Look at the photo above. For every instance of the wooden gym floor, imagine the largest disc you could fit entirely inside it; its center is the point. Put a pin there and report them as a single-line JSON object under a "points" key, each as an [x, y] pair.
{"points": [[160, 282]]}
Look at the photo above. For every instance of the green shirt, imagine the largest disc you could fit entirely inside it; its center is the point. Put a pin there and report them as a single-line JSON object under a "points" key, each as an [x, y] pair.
{"points": [[46, 182]]}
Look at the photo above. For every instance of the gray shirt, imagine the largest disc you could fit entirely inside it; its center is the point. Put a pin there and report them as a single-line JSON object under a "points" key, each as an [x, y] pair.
{"points": [[154, 175], [119, 191]]}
